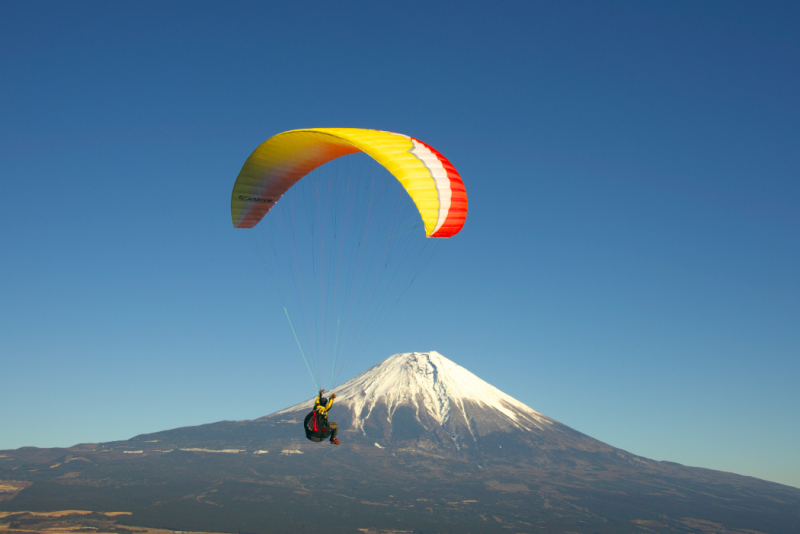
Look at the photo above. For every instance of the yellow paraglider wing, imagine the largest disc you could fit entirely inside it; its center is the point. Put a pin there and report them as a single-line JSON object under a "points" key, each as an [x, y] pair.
{"points": [[279, 162]]}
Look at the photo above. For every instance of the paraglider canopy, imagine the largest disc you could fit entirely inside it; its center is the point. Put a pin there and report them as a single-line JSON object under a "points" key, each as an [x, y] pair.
{"points": [[279, 162]]}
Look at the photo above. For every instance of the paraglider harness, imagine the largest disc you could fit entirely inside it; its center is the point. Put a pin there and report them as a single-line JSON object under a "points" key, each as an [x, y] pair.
{"points": [[316, 423], [316, 426]]}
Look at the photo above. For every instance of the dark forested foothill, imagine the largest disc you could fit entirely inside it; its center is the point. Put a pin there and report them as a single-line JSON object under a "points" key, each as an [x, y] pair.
{"points": [[421, 488]]}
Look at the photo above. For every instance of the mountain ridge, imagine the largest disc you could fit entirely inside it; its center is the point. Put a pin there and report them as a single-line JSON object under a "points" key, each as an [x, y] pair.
{"points": [[424, 397], [404, 375]]}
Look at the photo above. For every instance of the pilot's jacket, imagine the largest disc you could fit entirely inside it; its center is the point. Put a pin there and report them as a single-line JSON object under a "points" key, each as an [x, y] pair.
{"points": [[322, 410]]}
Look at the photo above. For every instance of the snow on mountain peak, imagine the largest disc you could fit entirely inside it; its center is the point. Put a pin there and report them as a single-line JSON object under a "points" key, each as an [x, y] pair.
{"points": [[431, 384]]}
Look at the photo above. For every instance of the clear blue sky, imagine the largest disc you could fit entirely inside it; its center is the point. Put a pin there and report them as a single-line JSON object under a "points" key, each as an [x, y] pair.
{"points": [[629, 265]]}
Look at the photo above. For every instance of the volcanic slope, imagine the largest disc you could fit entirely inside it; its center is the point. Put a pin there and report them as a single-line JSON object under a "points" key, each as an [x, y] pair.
{"points": [[426, 446], [426, 401]]}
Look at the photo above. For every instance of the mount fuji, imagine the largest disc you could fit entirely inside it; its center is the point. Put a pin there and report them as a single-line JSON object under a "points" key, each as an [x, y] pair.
{"points": [[426, 447], [424, 400]]}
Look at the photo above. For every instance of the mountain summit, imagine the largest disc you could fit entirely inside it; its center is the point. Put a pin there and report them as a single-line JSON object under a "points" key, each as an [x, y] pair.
{"points": [[428, 400], [436, 389]]}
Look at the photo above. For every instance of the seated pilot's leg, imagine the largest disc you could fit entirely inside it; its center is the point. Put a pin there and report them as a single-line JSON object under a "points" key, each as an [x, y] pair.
{"points": [[334, 428]]}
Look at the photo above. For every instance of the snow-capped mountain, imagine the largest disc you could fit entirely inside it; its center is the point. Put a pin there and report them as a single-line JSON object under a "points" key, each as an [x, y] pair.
{"points": [[426, 398], [426, 445]]}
